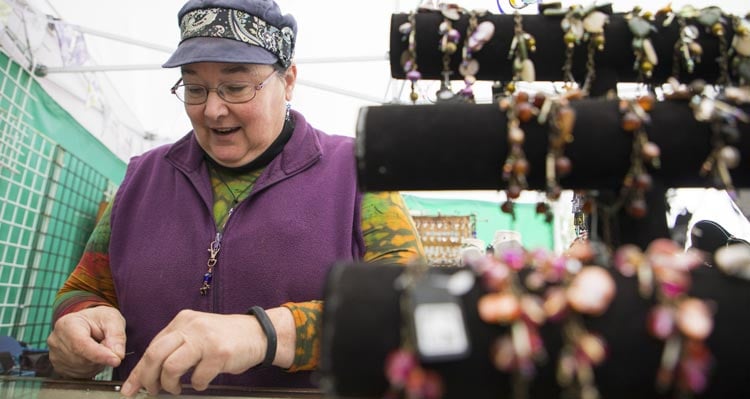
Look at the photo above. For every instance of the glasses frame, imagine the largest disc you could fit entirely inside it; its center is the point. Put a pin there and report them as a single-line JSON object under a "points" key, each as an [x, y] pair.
{"points": [[256, 88]]}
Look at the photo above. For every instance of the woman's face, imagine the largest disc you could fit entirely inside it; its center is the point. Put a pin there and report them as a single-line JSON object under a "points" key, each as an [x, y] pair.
{"points": [[235, 134]]}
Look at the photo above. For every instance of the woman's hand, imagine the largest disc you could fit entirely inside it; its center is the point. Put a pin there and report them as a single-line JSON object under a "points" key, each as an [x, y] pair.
{"points": [[209, 344], [83, 342]]}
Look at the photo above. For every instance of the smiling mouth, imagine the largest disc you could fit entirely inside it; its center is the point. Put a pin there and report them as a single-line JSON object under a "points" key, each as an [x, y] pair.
{"points": [[226, 131]]}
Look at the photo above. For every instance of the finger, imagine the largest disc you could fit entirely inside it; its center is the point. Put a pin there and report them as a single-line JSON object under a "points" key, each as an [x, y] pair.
{"points": [[115, 341], [147, 373], [176, 365], [77, 341], [205, 371]]}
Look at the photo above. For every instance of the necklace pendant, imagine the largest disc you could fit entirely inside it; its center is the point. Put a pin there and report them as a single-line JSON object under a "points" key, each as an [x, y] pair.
{"points": [[206, 283], [213, 250]]}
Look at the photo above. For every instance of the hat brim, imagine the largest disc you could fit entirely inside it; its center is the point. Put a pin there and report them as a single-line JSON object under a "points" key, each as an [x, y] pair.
{"points": [[217, 49]]}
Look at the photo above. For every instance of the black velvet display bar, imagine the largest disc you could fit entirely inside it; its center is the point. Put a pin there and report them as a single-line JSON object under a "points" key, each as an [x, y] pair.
{"points": [[614, 64], [463, 146], [361, 321]]}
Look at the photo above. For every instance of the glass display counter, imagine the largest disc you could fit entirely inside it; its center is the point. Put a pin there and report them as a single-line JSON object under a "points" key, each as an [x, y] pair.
{"points": [[12, 387]]}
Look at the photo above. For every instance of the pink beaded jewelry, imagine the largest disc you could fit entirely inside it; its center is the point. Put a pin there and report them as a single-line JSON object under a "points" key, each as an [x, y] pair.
{"points": [[681, 321], [557, 288]]}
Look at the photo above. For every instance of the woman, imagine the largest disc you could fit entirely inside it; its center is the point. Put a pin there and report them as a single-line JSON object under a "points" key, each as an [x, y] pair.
{"points": [[247, 211]]}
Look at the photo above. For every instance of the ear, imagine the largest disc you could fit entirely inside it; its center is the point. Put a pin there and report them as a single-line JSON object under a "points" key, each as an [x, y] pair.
{"points": [[290, 77]]}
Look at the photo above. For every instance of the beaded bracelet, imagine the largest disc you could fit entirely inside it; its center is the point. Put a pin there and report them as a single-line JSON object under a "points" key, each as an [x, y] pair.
{"points": [[477, 35], [449, 38], [406, 375], [687, 51], [556, 288], [723, 119], [409, 56], [681, 321], [522, 44], [712, 18], [519, 110], [556, 112], [637, 180], [641, 26], [581, 24], [741, 49], [269, 330]]}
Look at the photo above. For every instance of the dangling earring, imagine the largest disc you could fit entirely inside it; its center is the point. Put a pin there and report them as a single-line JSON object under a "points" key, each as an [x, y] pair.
{"points": [[288, 108]]}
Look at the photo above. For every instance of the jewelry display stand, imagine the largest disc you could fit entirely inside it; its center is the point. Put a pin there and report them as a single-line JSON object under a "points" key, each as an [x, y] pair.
{"points": [[613, 64], [457, 146], [361, 325]]}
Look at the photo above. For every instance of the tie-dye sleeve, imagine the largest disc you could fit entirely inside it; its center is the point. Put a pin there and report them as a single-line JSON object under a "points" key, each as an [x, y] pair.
{"points": [[390, 236], [90, 283], [389, 231]]}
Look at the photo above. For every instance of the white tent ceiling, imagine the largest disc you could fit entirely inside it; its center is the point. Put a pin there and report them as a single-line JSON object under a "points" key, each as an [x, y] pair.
{"points": [[342, 53]]}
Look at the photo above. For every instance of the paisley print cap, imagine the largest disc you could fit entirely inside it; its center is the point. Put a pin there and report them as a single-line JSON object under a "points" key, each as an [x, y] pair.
{"points": [[244, 31]]}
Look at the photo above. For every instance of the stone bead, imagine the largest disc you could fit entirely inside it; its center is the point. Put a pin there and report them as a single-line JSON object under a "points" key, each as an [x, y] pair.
{"points": [[591, 291], [637, 208], [650, 150], [741, 44], [593, 347], [405, 28], [563, 165], [482, 34], [516, 135], [413, 75], [661, 322], [521, 166], [528, 71], [631, 122], [730, 156], [594, 22], [694, 318]]}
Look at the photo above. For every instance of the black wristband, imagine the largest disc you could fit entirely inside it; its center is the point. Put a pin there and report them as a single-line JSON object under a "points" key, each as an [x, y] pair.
{"points": [[269, 330]]}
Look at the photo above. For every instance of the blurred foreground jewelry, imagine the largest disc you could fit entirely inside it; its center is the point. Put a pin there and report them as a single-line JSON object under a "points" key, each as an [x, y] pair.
{"points": [[681, 321], [555, 288], [403, 370]]}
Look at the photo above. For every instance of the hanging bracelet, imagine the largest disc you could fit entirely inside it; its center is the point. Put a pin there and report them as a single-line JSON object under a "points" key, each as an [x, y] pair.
{"points": [[269, 330]]}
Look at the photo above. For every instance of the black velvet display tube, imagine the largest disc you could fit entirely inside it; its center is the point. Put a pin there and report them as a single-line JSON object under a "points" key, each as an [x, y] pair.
{"points": [[463, 147], [361, 324], [614, 64]]}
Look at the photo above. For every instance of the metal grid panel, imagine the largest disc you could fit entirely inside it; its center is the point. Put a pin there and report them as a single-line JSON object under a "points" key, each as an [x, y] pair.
{"points": [[48, 203], [74, 193]]}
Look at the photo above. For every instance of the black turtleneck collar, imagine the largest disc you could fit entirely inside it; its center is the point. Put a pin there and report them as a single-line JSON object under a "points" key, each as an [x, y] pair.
{"points": [[267, 156]]}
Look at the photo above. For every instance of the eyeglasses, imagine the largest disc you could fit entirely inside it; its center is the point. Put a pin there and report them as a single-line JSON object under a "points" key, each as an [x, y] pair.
{"points": [[231, 92]]}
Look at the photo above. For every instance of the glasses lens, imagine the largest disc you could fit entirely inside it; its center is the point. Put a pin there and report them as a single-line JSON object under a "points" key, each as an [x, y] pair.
{"points": [[236, 92], [192, 94]]}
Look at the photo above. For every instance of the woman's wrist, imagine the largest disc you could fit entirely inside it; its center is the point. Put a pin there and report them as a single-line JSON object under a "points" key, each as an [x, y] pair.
{"points": [[283, 324]]}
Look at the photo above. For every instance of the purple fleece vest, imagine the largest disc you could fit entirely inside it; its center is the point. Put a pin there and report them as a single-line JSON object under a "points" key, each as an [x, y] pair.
{"points": [[302, 215]]}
